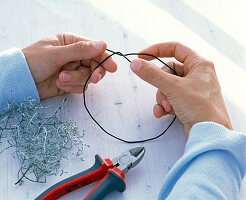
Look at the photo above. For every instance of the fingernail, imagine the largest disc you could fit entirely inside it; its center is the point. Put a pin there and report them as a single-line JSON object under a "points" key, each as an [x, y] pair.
{"points": [[66, 77], [99, 76], [164, 103], [136, 65], [154, 109], [98, 45]]}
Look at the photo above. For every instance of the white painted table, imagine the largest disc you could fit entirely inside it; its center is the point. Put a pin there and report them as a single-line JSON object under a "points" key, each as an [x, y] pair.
{"points": [[216, 29]]}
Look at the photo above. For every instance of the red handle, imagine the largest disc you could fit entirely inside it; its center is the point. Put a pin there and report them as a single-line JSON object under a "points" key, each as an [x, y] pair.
{"points": [[96, 172], [114, 180]]}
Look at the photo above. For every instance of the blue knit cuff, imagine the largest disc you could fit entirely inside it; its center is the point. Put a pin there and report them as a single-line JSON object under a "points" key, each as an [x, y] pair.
{"points": [[16, 80], [209, 136]]}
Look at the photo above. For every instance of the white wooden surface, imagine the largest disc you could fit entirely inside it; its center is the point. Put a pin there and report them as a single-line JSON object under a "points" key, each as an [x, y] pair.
{"points": [[215, 28]]}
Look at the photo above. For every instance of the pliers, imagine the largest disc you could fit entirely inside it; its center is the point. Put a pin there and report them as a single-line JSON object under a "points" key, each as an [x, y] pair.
{"points": [[112, 174]]}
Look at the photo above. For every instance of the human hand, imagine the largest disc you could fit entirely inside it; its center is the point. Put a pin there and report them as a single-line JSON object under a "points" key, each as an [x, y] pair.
{"points": [[62, 63], [194, 95]]}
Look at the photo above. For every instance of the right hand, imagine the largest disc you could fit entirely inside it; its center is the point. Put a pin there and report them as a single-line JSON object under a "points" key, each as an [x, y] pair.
{"points": [[194, 95]]}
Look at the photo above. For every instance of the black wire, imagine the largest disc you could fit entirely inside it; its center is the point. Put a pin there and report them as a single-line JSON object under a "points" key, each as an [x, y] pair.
{"points": [[125, 56]]}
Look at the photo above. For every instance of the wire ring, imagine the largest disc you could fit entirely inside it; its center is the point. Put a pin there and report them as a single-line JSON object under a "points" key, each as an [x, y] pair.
{"points": [[125, 56]]}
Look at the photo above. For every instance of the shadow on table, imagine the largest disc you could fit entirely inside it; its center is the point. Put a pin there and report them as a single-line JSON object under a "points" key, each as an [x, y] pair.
{"points": [[237, 115], [219, 39]]}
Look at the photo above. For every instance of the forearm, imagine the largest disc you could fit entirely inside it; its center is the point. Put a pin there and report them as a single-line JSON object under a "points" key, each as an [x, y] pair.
{"points": [[212, 166], [16, 80]]}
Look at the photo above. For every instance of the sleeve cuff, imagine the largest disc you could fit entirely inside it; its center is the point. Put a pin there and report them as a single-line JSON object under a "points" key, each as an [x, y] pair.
{"points": [[16, 80], [209, 136]]}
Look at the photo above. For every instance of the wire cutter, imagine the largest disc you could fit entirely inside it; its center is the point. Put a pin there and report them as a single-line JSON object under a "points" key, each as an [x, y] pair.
{"points": [[112, 174]]}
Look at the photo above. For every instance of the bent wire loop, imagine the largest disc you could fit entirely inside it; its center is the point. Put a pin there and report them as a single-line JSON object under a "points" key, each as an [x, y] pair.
{"points": [[125, 56]]}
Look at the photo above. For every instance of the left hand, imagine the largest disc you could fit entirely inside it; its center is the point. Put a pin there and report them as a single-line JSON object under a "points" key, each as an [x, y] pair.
{"points": [[62, 63]]}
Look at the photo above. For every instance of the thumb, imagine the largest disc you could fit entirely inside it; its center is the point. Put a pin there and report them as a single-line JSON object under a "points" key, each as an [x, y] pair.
{"points": [[154, 75], [81, 50]]}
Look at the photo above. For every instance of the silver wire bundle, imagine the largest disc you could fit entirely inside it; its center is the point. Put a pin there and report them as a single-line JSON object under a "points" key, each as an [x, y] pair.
{"points": [[39, 141]]}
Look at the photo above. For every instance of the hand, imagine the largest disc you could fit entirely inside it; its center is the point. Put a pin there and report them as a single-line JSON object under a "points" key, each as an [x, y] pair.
{"points": [[194, 95], [61, 64]]}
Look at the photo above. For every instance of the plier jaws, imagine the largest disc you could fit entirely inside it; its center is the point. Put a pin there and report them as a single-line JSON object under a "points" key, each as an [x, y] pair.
{"points": [[129, 159]]}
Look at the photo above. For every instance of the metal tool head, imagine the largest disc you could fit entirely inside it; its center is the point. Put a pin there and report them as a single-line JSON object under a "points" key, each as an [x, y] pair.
{"points": [[129, 159]]}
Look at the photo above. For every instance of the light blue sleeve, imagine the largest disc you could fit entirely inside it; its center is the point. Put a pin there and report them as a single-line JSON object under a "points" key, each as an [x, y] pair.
{"points": [[15, 78], [212, 167]]}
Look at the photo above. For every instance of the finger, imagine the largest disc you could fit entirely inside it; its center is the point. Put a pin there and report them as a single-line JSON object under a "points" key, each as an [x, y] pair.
{"points": [[79, 50], [109, 65], [176, 66], [159, 111], [177, 50], [70, 38], [162, 100], [71, 65], [79, 76], [98, 74], [67, 38], [77, 89], [75, 77], [155, 75]]}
